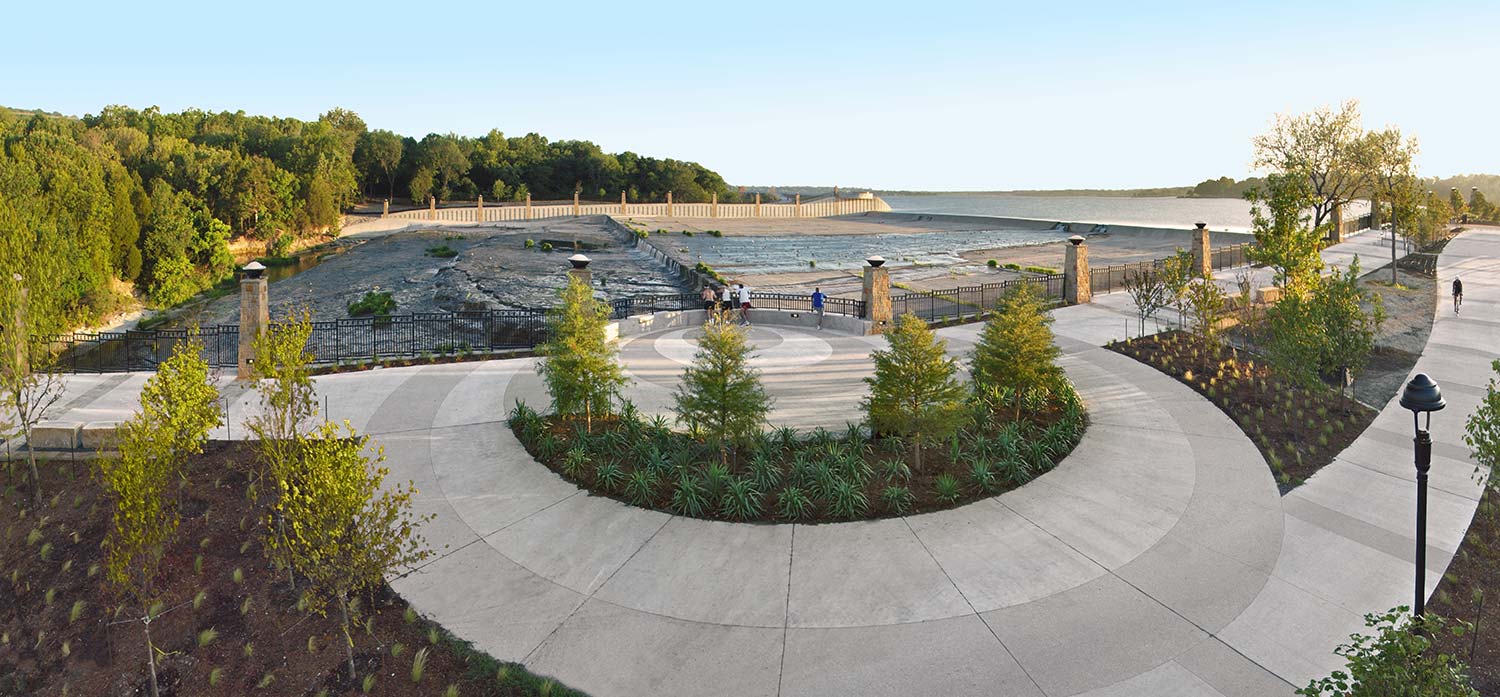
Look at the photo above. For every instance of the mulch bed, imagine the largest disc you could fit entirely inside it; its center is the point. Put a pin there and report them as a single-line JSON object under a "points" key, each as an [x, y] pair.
{"points": [[52, 561], [1297, 429], [1470, 591]]}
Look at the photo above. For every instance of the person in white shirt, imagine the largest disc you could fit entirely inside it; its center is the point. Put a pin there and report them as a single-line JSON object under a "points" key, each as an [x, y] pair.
{"points": [[727, 302], [744, 304]]}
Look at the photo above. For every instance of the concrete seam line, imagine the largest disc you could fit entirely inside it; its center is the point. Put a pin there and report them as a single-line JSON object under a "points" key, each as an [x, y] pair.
{"points": [[786, 615], [972, 609], [586, 596]]}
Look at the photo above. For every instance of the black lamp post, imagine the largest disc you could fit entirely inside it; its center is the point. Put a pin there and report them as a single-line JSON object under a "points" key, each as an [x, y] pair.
{"points": [[1422, 395]]}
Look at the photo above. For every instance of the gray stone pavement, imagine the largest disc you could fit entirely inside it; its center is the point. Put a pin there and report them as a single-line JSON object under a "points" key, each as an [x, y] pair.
{"points": [[1157, 559]]}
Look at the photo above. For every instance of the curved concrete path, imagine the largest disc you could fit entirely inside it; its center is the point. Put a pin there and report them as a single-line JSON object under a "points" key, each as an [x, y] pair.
{"points": [[1157, 559]]}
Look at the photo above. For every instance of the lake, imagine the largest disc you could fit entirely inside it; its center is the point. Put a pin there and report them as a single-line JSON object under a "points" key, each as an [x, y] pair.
{"points": [[1219, 213]]}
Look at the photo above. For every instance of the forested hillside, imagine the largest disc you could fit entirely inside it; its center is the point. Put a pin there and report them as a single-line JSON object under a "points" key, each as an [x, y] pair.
{"points": [[152, 199]]}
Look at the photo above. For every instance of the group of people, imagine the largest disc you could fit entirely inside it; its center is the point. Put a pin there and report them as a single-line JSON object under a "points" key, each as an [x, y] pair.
{"points": [[725, 298]]}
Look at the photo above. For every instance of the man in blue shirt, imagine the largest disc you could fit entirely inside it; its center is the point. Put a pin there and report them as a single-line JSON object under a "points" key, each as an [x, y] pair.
{"points": [[817, 305]]}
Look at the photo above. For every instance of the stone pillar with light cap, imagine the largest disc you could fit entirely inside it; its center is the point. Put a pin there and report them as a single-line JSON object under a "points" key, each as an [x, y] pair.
{"points": [[1336, 227], [669, 204], [1202, 259], [1078, 285], [713, 205], [877, 295], [575, 203], [622, 203], [431, 207], [479, 210], [385, 207], [255, 316], [580, 269], [797, 202], [757, 204]]}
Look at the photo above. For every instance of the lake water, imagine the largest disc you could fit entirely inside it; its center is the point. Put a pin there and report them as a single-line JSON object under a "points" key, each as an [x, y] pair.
{"points": [[1220, 213], [801, 253]]}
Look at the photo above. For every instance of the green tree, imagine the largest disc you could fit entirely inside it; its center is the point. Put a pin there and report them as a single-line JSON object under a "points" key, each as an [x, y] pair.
{"points": [[177, 410], [1205, 306], [914, 393], [1321, 328], [379, 152], [721, 396], [1176, 273], [1456, 203], [1283, 239], [1398, 660], [1148, 290], [1321, 151], [1480, 206], [1015, 347], [580, 364], [283, 381], [30, 381], [1482, 433], [1387, 159], [344, 529]]}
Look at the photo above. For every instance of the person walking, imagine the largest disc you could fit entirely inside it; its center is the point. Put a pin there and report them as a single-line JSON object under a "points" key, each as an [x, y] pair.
{"points": [[727, 303], [1458, 294], [710, 300], [817, 305], [744, 305]]}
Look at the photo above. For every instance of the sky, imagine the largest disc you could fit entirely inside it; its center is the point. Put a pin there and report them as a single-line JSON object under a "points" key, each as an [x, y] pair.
{"points": [[922, 96]]}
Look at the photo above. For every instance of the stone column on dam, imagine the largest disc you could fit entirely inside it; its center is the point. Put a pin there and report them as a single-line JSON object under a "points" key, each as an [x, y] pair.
{"points": [[1336, 229], [1077, 281], [877, 295], [255, 316], [1202, 261], [580, 269]]}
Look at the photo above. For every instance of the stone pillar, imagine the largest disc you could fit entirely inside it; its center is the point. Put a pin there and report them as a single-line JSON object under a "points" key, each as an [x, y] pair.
{"points": [[1078, 285], [575, 204], [431, 207], [1202, 255], [255, 316], [385, 207], [622, 203], [1336, 217], [797, 203], [757, 205], [1375, 212], [713, 206], [528, 205], [18, 328], [877, 295], [669, 204], [580, 269], [479, 209]]}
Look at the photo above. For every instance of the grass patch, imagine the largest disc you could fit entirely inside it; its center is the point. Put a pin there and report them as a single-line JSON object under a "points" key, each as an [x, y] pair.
{"points": [[378, 304], [442, 251]]}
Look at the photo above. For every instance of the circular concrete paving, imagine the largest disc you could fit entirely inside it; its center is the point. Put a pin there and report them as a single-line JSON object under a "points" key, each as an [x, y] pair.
{"points": [[1117, 567]]}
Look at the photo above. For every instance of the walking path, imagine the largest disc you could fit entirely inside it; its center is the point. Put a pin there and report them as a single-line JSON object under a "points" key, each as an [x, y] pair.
{"points": [[1157, 559]]}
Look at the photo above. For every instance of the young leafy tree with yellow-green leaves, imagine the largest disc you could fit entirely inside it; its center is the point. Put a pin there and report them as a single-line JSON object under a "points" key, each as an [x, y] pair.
{"points": [[283, 379], [30, 383], [915, 393], [579, 361], [721, 396], [1015, 347], [342, 530], [177, 412]]}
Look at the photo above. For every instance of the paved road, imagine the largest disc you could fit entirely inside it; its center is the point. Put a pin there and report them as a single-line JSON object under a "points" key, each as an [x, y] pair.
{"points": [[1157, 559]]}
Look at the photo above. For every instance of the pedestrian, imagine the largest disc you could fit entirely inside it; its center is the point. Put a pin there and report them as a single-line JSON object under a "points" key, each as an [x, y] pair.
{"points": [[727, 303], [1458, 294], [709, 298], [817, 305], [744, 305]]}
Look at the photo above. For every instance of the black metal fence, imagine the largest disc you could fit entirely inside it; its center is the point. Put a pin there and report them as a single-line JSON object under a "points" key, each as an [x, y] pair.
{"points": [[939, 305], [115, 352], [1108, 279]]}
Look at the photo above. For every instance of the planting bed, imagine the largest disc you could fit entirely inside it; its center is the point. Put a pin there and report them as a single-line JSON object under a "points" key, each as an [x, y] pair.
{"points": [[787, 476], [1470, 591], [60, 632], [1297, 429]]}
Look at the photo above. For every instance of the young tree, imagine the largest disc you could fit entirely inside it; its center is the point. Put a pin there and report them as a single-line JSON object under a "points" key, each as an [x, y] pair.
{"points": [[721, 395], [1148, 290], [1321, 328], [30, 383], [579, 361], [1205, 306], [1015, 347], [1176, 274], [1481, 206], [1283, 240], [1456, 203], [1319, 149], [344, 530], [1386, 158], [177, 411], [914, 392], [1399, 660], [283, 380], [1482, 433]]}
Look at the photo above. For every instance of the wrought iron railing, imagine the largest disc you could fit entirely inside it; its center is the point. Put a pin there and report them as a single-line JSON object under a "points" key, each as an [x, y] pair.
{"points": [[939, 305]]}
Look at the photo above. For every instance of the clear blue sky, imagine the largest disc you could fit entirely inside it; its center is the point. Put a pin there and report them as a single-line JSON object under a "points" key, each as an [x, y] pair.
{"points": [[901, 95]]}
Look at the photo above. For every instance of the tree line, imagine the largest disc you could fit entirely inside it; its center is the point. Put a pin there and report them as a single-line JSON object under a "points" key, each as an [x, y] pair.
{"points": [[152, 199]]}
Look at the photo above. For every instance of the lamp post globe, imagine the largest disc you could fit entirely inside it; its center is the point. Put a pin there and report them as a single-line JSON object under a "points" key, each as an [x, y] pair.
{"points": [[1422, 396]]}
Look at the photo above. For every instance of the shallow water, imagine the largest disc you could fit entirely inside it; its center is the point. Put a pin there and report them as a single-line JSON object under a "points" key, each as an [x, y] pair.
{"points": [[786, 254]]}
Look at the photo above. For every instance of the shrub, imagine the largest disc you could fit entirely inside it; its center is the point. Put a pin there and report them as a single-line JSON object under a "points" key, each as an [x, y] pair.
{"points": [[1047, 270], [1013, 266], [946, 488], [811, 264], [639, 486], [442, 251], [992, 264], [715, 233], [689, 498], [374, 303], [794, 504], [846, 500], [687, 233], [897, 499], [546, 246], [741, 500], [1399, 659], [530, 243]]}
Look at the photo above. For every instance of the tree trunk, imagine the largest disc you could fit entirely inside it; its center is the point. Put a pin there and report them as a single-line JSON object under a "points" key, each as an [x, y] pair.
{"points": [[150, 655], [348, 640], [916, 452], [36, 479]]}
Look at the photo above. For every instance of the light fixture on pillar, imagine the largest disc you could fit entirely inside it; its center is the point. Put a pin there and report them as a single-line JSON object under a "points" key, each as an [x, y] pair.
{"points": [[579, 261], [1076, 240], [254, 269], [1422, 395], [876, 261], [1200, 226]]}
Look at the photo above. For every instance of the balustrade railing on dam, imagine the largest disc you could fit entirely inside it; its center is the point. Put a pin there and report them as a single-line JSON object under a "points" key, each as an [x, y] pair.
{"points": [[822, 208]]}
